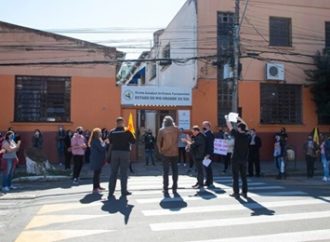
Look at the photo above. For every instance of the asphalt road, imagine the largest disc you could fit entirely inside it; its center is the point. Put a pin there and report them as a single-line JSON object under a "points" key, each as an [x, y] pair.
{"points": [[295, 209]]}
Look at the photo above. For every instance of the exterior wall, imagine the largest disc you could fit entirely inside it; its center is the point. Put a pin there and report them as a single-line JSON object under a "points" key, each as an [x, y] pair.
{"points": [[181, 35], [95, 98]]}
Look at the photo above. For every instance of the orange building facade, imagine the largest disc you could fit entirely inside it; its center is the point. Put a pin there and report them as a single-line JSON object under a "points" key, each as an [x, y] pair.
{"points": [[48, 80]]}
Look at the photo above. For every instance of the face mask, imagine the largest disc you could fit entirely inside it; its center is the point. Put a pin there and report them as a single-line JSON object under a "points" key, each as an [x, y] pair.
{"points": [[80, 132], [11, 137], [204, 129]]}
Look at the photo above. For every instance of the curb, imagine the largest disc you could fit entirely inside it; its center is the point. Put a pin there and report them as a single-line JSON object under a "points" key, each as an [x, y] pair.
{"points": [[40, 178]]}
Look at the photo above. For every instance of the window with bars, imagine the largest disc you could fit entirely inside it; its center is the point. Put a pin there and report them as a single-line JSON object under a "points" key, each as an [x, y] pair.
{"points": [[280, 104], [327, 35], [280, 31], [42, 99]]}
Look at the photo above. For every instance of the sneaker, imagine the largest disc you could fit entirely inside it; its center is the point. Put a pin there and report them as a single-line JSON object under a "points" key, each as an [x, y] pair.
{"points": [[5, 189], [75, 181], [325, 179]]}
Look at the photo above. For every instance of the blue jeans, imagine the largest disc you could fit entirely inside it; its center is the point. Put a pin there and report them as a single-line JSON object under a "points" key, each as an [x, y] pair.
{"points": [[280, 164], [149, 155], [325, 164], [8, 173]]}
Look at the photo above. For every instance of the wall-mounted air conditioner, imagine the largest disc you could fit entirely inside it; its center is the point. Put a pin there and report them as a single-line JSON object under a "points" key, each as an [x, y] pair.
{"points": [[275, 71]]}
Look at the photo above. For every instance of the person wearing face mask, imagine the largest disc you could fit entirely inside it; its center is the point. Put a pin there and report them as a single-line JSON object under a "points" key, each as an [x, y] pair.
{"points": [[78, 147], [37, 139], [310, 148], [279, 148], [208, 152], [10, 147]]}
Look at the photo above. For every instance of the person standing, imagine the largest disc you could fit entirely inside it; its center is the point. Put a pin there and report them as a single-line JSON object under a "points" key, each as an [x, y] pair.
{"points": [[197, 148], [310, 148], [182, 148], [67, 150], [230, 143], [208, 152], [167, 143], [254, 154], [278, 156], [78, 147], [97, 157], [9, 147], [240, 156], [149, 147], [325, 156], [120, 140], [37, 139], [60, 136]]}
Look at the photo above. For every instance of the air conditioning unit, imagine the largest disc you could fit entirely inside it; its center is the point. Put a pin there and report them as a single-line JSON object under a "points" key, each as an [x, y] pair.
{"points": [[275, 71]]}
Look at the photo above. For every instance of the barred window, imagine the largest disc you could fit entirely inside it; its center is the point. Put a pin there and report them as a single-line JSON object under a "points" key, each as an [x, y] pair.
{"points": [[280, 31], [280, 104], [42, 99]]}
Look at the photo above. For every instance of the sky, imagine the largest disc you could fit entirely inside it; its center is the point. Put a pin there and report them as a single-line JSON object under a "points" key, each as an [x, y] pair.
{"points": [[125, 24]]}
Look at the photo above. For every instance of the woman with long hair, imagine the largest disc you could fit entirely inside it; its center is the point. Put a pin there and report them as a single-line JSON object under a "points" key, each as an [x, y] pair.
{"points": [[9, 157], [97, 156]]}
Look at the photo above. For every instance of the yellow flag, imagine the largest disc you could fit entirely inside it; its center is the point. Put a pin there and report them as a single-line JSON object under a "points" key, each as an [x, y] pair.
{"points": [[316, 136], [131, 124]]}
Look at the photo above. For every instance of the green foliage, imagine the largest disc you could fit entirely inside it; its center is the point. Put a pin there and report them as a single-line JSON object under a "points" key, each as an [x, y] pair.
{"points": [[321, 85]]}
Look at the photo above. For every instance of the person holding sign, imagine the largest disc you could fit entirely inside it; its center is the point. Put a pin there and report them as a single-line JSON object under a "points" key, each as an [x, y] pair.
{"points": [[240, 155], [197, 148]]}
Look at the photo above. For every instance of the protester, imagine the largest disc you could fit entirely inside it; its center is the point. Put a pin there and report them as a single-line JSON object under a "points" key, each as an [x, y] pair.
{"points": [[240, 156], [37, 139], [60, 136], [208, 152], [310, 148], [254, 154], [149, 147], [121, 140], [97, 157], [78, 147], [230, 144], [9, 147], [182, 148], [67, 150], [167, 143], [197, 147], [279, 156], [325, 156]]}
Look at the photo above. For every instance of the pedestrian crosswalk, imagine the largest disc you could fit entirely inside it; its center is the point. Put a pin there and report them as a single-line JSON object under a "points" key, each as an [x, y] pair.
{"points": [[272, 212]]}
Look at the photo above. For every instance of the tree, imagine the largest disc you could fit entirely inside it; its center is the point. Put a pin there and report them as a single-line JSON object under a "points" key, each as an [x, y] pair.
{"points": [[320, 77]]}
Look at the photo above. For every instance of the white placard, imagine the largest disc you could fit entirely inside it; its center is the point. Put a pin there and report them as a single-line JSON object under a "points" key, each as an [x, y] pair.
{"points": [[184, 119], [220, 147], [155, 96]]}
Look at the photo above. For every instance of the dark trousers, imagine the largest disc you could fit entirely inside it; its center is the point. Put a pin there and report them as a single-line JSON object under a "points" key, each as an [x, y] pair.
{"points": [[182, 153], [119, 160], [68, 157], [167, 162], [239, 169], [310, 165], [209, 175], [227, 161], [77, 165], [96, 178], [254, 162], [200, 172]]}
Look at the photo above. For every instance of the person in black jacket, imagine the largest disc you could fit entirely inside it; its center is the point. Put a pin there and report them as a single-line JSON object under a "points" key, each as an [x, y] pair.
{"points": [[197, 148], [240, 156], [121, 140], [208, 153], [254, 155]]}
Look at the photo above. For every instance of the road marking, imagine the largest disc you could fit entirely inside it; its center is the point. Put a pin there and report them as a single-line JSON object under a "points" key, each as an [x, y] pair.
{"points": [[212, 196], [233, 207], [56, 235], [44, 220], [237, 221], [51, 208], [313, 235]]}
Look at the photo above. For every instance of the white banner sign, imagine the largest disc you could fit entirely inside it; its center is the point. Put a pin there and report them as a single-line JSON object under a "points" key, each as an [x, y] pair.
{"points": [[184, 119], [155, 96], [220, 147]]}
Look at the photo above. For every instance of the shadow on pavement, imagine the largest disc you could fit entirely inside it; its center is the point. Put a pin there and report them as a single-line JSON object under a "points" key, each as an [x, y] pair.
{"points": [[256, 208], [113, 205], [90, 198], [174, 203]]}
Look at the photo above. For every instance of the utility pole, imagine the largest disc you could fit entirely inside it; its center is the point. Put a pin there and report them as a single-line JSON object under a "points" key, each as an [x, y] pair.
{"points": [[236, 45]]}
